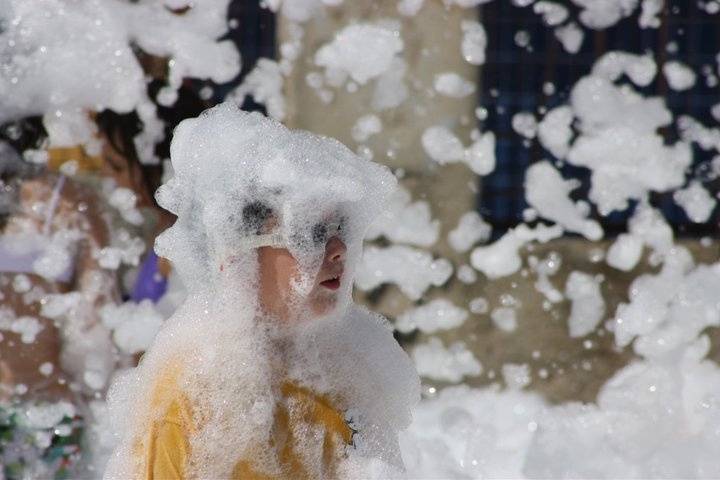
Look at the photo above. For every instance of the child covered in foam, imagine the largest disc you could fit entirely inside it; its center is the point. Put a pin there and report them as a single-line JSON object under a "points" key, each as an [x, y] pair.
{"points": [[268, 370]]}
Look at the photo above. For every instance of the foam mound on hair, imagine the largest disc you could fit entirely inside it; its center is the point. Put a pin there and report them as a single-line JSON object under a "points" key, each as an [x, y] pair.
{"points": [[228, 158]]}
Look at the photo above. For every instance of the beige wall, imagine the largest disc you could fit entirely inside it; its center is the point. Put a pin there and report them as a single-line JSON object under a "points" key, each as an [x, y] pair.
{"points": [[432, 41]]}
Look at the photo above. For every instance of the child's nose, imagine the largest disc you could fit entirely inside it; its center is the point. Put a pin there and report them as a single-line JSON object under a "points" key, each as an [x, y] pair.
{"points": [[335, 250]]}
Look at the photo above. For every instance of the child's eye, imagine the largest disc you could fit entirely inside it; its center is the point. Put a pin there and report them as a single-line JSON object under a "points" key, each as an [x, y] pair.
{"points": [[319, 233]]}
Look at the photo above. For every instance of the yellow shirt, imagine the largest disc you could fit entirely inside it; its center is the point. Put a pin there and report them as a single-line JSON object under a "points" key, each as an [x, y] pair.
{"points": [[59, 155], [168, 448]]}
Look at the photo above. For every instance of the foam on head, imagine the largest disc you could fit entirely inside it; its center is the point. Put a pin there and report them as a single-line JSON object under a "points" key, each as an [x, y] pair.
{"points": [[227, 159]]}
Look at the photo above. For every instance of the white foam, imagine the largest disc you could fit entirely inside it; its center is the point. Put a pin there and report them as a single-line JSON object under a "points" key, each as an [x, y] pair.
{"points": [[549, 193], [361, 51], [265, 84], [692, 130], [625, 252], [571, 36], [466, 274], [434, 361], [412, 270], [649, 15], [365, 127], [504, 318], [545, 268], [502, 258], [696, 201], [471, 229], [678, 75], [44, 48], [525, 124], [25, 326], [409, 8], [588, 305], [516, 376], [602, 14], [436, 315], [553, 13], [134, 325], [474, 42], [442, 145], [445, 147], [621, 146], [554, 130], [478, 305], [640, 69], [405, 221], [453, 85]]}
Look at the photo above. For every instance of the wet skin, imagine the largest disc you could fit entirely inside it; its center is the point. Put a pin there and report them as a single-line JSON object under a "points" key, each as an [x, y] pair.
{"points": [[278, 269]]}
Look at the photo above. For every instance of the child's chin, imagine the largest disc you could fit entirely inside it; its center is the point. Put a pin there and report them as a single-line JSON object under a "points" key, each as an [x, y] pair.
{"points": [[323, 304]]}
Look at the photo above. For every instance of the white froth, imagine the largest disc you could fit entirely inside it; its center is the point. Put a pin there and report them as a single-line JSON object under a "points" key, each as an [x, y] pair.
{"points": [[502, 258], [549, 193], [544, 269], [554, 131], [553, 13], [619, 143], [640, 69], [649, 14], [360, 51], [412, 270], [436, 362], [365, 127], [479, 305], [442, 145], [453, 85], [504, 318], [696, 201], [588, 305], [466, 274], [625, 252], [265, 85], [471, 229], [134, 325], [571, 37], [437, 315], [516, 376], [471, 433], [405, 221], [445, 147], [63, 59], [678, 75], [25, 326], [601, 14], [525, 124], [409, 8], [474, 42], [480, 155]]}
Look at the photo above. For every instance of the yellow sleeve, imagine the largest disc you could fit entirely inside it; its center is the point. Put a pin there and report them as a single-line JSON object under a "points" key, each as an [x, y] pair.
{"points": [[168, 446]]}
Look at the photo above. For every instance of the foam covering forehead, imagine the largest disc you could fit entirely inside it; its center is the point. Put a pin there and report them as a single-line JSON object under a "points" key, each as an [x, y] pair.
{"points": [[226, 158]]}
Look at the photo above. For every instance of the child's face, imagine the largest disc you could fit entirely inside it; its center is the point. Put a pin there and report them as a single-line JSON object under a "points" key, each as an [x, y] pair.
{"points": [[278, 270]]}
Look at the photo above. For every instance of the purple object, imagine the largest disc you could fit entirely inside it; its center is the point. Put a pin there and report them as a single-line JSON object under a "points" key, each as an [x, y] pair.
{"points": [[149, 283]]}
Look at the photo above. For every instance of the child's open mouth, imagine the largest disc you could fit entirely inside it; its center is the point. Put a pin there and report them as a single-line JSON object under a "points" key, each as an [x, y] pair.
{"points": [[332, 283]]}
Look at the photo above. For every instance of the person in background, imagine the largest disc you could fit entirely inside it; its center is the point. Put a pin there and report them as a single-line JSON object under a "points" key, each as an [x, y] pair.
{"points": [[52, 231]]}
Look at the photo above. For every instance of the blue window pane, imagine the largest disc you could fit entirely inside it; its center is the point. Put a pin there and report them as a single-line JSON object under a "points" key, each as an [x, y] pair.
{"points": [[512, 81]]}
